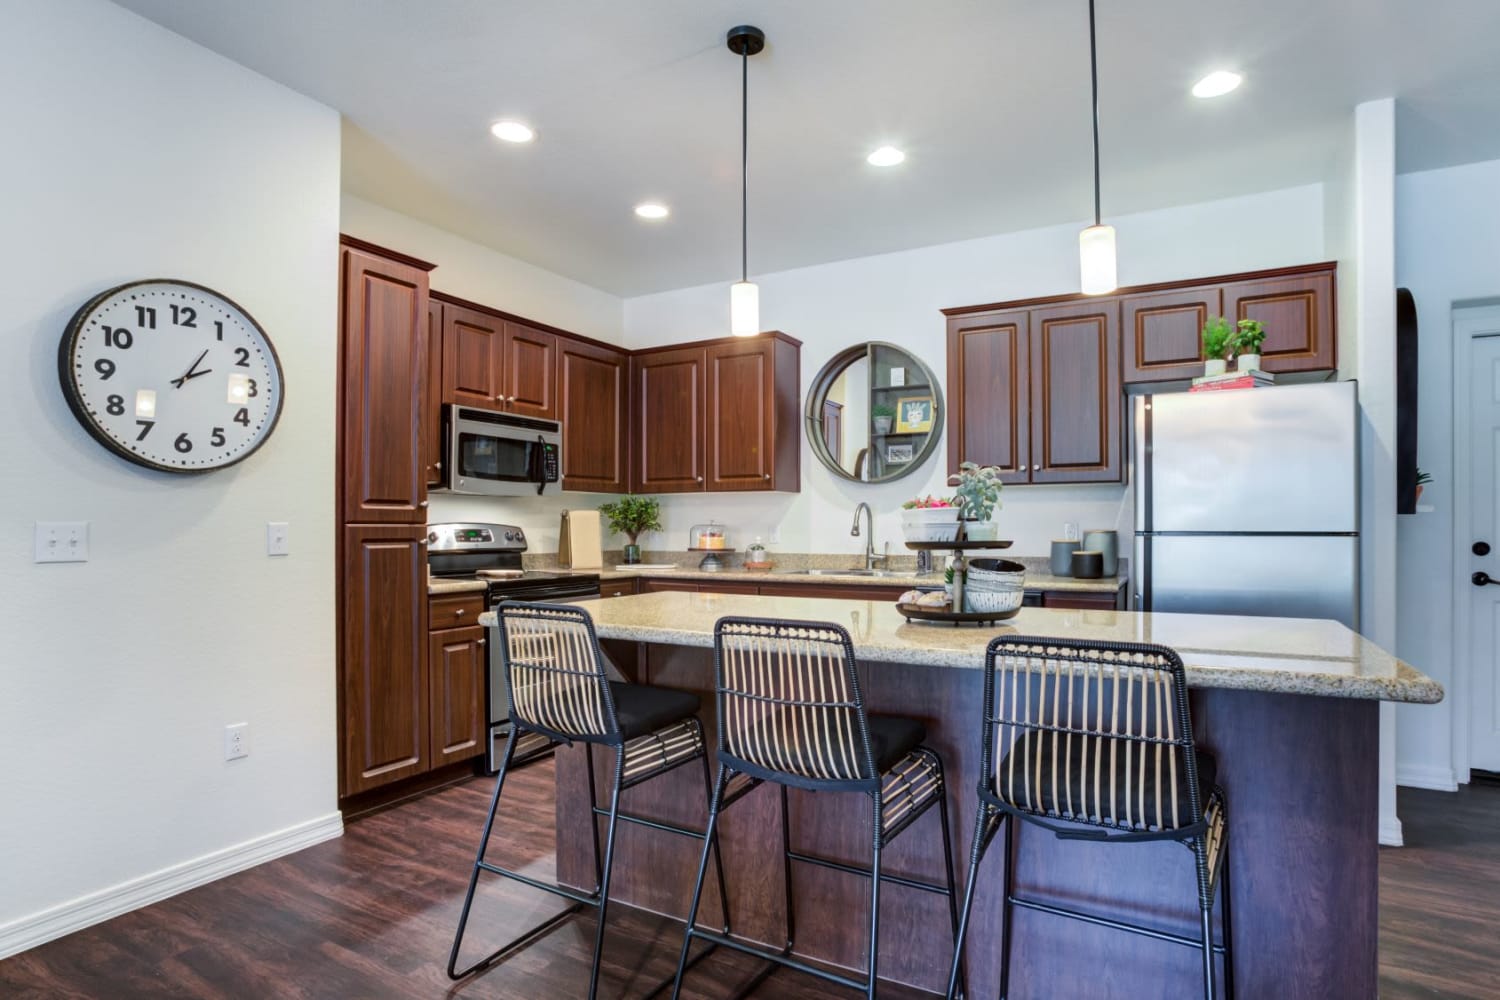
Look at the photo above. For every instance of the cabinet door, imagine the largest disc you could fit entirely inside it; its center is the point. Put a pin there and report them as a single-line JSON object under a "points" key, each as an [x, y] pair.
{"points": [[618, 588], [987, 392], [657, 586], [1076, 402], [594, 405], [382, 669], [473, 352], [1163, 333], [668, 442], [530, 371], [740, 429], [431, 419], [1297, 311], [384, 357], [456, 665]]}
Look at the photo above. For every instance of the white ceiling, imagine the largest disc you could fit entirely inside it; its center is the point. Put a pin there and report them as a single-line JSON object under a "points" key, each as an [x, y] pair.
{"points": [[988, 97]]}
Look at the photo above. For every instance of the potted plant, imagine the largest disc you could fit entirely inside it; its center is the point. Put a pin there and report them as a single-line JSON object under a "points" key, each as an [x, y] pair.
{"points": [[1216, 336], [1423, 478], [929, 519], [978, 494], [1248, 336], [630, 516], [882, 415]]}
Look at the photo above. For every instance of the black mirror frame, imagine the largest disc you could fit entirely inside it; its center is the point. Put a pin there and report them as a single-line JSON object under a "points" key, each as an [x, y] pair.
{"points": [[818, 392]]}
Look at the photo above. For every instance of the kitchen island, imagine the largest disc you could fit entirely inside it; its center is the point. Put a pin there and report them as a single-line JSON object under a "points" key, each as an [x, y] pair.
{"points": [[1289, 707]]}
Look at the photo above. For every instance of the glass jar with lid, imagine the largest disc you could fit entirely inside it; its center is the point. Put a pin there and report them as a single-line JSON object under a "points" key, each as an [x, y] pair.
{"points": [[712, 539]]}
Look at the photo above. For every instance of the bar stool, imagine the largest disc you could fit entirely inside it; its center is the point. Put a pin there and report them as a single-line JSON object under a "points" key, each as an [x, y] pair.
{"points": [[1094, 742], [790, 712], [559, 691]]}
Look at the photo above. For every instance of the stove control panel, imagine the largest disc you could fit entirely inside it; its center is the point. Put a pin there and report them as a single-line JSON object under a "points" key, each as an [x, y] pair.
{"points": [[470, 537]]}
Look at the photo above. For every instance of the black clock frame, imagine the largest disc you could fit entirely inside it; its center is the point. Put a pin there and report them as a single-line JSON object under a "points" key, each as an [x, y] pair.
{"points": [[67, 348]]}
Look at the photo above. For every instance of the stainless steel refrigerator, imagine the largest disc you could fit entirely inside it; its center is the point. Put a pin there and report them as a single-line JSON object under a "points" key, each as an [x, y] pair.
{"points": [[1247, 502]]}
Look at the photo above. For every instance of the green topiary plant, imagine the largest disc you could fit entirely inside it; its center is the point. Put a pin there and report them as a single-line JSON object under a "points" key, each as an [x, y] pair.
{"points": [[881, 410], [1217, 334], [1247, 337], [631, 515], [978, 490]]}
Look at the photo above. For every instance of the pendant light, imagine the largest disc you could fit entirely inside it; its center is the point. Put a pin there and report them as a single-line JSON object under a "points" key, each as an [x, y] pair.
{"points": [[744, 296], [1096, 244]]}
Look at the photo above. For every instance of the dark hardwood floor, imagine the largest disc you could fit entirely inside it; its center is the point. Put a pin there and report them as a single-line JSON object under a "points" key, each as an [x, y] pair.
{"points": [[372, 914]]}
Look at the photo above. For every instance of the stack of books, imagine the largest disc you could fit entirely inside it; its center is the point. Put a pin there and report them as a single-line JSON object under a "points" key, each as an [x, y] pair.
{"points": [[1232, 380]]}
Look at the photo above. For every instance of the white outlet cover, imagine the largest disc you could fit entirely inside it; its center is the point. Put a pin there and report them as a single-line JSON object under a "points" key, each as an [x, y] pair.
{"points": [[237, 741], [62, 541]]}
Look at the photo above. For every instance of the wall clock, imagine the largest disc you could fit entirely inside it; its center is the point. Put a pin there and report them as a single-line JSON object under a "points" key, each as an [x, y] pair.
{"points": [[171, 375]]}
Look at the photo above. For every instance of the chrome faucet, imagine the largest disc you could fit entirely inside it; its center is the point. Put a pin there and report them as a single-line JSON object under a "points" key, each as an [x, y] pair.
{"points": [[870, 556]]}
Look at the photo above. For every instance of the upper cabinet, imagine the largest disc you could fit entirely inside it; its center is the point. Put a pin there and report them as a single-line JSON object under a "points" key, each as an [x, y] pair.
{"points": [[431, 416], [1297, 311], [1163, 332], [383, 455], [593, 398], [497, 364], [718, 417], [988, 389], [530, 368]]}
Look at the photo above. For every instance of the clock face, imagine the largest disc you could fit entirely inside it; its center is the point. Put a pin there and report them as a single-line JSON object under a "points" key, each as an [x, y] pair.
{"points": [[171, 375]]}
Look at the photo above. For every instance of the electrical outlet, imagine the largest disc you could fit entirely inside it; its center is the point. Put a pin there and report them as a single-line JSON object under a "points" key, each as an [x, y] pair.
{"points": [[237, 741], [773, 536], [62, 541], [276, 539]]}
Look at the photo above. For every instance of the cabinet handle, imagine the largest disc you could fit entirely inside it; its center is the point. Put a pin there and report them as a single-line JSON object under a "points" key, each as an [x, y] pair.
{"points": [[700, 479], [499, 399], [484, 642], [422, 542], [437, 465], [510, 399], [459, 613], [768, 475], [422, 504]]}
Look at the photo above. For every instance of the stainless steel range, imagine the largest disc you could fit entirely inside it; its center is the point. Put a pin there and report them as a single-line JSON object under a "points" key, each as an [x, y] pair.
{"points": [[493, 553]]}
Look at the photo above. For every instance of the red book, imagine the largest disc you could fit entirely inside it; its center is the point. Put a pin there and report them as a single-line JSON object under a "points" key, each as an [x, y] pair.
{"points": [[1243, 382]]}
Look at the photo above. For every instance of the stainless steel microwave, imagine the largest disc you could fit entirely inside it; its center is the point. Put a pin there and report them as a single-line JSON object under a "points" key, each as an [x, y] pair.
{"points": [[500, 454]]}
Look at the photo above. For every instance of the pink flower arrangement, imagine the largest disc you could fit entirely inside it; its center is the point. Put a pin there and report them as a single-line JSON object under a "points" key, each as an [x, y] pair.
{"points": [[927, 502]]}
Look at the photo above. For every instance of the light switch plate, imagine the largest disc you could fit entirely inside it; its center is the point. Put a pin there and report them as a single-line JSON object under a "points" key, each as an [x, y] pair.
{"points": [[62, 541], [277, 542]]}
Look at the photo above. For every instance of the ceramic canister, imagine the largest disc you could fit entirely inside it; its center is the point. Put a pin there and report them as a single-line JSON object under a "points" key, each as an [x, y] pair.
{"points": [[1061, 562], [1106, 543], [1088, 564]]}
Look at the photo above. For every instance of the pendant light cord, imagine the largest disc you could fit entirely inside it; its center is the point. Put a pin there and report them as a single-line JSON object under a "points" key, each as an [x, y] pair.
{"points": [[745, 164], [1094, 72]]}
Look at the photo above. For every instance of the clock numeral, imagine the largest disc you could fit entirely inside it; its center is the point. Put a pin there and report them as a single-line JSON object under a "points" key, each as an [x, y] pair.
{"points": [[184, 316], [218, 330], [145, 316], [145, 426], [241, 357], [218, 438], [105, 368], [118, 336], [115, 405], [253, 390], [182, 443], [242, 416]]}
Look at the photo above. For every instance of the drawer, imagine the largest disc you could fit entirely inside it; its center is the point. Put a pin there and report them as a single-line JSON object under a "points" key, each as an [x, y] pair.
{"points": [[455, 611], [616, 588]]}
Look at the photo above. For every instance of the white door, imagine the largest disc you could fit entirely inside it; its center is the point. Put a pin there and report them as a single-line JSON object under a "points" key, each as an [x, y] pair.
{"points": [[1484, 518]]}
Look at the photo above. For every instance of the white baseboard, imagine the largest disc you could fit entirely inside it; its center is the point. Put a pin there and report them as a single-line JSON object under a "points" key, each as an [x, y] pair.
{"points": [[1390, 833], [1439, 779], [76, 914]]}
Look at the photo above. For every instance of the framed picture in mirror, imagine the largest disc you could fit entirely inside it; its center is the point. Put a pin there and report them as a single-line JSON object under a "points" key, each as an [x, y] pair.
{"points": [[914, 414]]}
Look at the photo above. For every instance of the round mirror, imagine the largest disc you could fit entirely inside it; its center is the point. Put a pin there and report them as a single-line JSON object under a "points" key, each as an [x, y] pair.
{"points": [[874, 413]]}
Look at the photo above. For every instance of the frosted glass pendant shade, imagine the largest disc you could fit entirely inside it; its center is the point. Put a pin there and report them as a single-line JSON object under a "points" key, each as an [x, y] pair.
{"points": [[1096, 259], [744, 309]]}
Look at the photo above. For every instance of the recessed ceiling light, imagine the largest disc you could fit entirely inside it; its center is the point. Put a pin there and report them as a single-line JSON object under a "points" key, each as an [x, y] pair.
{"points": [[513, 131], [885, 156], [1216, 84], [652, 210]]}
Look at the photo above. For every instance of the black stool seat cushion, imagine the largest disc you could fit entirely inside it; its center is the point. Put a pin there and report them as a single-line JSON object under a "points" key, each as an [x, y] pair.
{"points": [[1076, 763], [892, 738], [642, 709]]}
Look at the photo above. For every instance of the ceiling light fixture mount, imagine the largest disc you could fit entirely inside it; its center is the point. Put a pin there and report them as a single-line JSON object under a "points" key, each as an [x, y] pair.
{"points": [[1217, 84], [744, 297], [652, 210], [885, 156], [1096, 244], [511, 130]]}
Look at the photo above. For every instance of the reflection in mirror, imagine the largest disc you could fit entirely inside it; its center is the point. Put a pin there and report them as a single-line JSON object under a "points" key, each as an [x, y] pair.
{"points": [[874, 413]]}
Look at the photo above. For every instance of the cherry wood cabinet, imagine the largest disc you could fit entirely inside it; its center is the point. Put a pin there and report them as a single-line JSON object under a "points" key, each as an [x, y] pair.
{"points": [[383, 689], [1297, 311], [530, 371], [656, 586], [383, 364], [618, 588], [988, 389], [456, 665], [1163, 332], [430, 418], [717, 416], [593, 396], [1077, 407], [455, 610], [473, 357]]}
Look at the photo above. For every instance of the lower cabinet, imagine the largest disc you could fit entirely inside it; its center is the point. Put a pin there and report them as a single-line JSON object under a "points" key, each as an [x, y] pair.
{"points": [[617, 588], [456, 664]]}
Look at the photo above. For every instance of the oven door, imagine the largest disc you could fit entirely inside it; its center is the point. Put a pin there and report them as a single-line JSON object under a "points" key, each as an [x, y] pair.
{"points": [[497, 454]]}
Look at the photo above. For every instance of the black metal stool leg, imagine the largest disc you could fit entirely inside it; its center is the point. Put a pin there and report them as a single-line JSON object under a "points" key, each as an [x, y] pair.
{"points": [[609, 859], [879, 839], [588, 755], [1224, 898], [976, 855], [786, 871], [963, 986], [708, 790], [1206, 917], [1006, 909], [710, 838], [484, 843]]}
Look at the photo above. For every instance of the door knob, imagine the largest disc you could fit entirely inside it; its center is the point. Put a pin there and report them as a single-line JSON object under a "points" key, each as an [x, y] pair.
{"points": [[1481, 548], [1482, 578]]}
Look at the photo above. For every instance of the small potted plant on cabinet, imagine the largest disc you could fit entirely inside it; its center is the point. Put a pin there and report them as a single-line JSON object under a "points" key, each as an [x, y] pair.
{"points": [[929, 519], [882, 415], [1423, 478], [978, 494], [1217, 334], [1248, 336], [631, 516]]}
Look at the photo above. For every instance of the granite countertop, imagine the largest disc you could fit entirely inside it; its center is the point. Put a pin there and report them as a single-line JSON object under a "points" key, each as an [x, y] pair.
{"points": [[437, 587], [1282, 655], [1034, 581]]}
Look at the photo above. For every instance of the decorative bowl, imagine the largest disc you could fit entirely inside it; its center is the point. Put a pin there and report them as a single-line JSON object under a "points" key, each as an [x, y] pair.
{"points": [[930, 524]]}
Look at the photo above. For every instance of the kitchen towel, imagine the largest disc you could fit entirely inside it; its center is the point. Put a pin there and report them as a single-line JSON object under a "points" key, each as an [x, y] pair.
{"points": [[579, 544]]}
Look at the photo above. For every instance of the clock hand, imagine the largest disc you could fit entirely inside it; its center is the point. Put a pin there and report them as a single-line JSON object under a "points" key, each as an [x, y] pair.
{"points": [[178, 382], [192, 375]]}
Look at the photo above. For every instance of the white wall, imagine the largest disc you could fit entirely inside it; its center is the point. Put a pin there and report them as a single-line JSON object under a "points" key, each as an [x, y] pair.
{"points": [[1447, 253], [135, 154], [897, 297]]}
